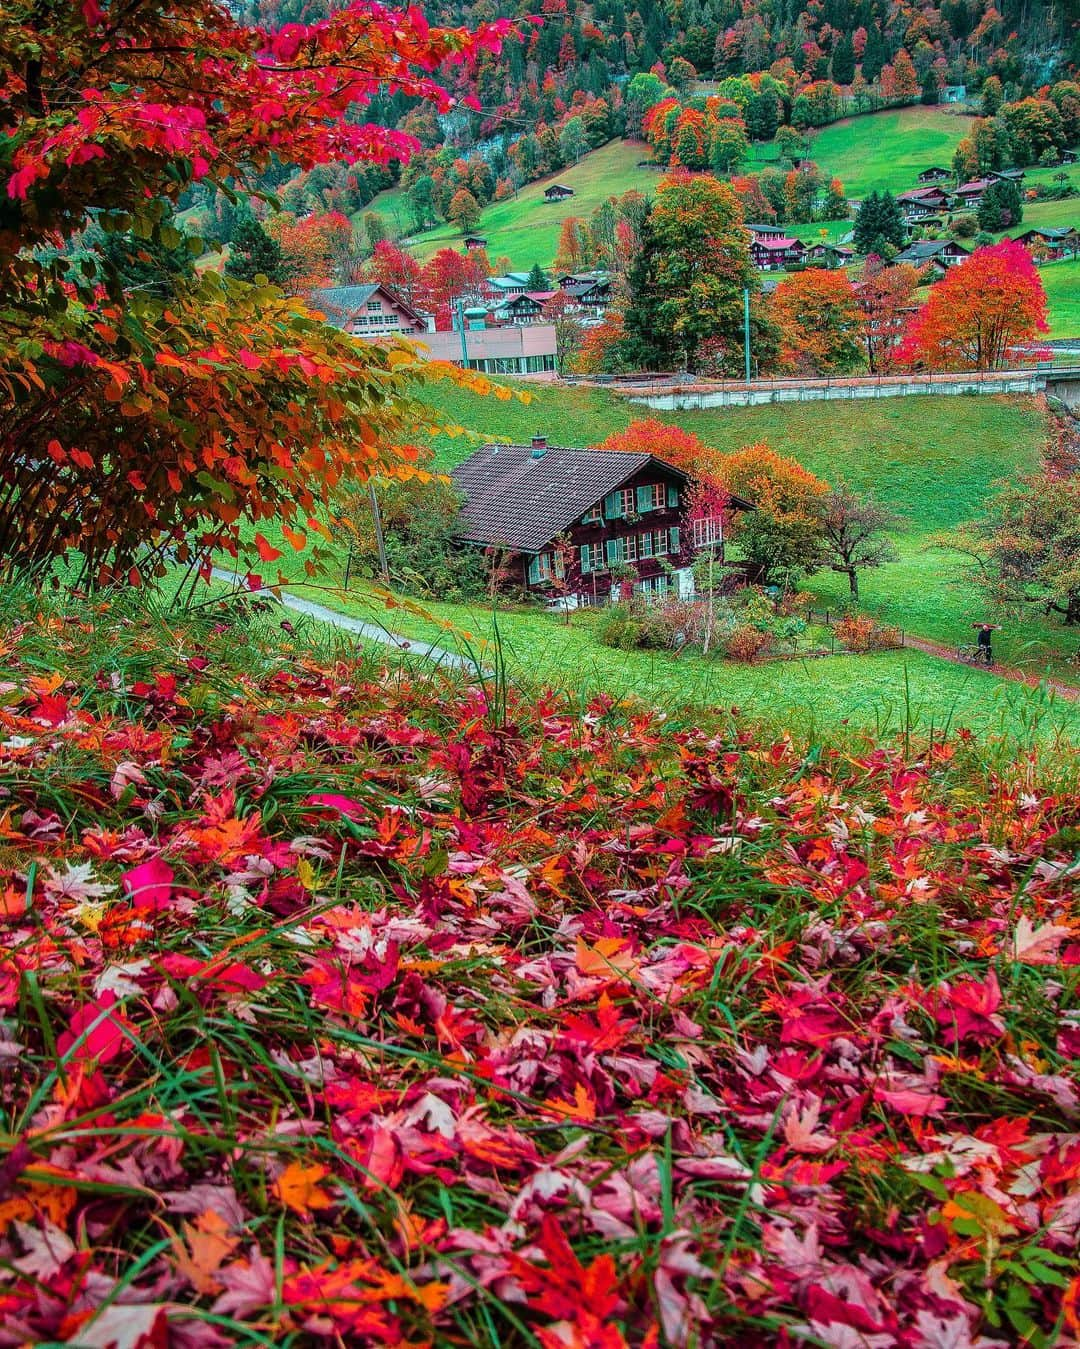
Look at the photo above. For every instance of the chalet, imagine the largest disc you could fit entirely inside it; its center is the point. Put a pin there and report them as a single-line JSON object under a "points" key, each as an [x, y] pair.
{"points": [[566, 518], [921, 202], [588, 292], [474, 242], [558, 192], [938, 254], [522, 309], [1006, 175], [935, 174], [1051, 243], [763, 231], [507, 286], [828, 255], [369, 311], [970, 194], [770, 253]]}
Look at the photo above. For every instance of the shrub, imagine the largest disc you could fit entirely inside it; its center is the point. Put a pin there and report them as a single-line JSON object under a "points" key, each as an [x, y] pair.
{"points": [[859, 632], [965, 226], [747, 643]]}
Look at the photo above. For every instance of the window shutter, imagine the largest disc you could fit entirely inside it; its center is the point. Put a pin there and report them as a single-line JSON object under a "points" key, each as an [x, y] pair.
{"points": [[586, 564], [612, 547], [613, 506], [647, 544], [672, 495], [675, 538], [644, 500], [534, 571]]}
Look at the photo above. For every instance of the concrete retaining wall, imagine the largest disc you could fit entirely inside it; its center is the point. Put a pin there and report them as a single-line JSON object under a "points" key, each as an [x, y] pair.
{"points": [[685, 400]]}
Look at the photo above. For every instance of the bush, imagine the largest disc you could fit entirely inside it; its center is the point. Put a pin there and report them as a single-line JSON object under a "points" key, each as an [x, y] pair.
{"points": [[965, 226], [747, 643], [858, 632]]}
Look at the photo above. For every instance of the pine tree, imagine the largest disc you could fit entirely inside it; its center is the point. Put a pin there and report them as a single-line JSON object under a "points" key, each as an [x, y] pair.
{"points": [[253, 253], [843, 60], [930, 91], [538, 278], [879, 225], [875, 54]]}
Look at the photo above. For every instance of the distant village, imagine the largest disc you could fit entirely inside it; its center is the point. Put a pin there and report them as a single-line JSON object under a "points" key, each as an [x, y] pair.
{"points": [[511, 327]]}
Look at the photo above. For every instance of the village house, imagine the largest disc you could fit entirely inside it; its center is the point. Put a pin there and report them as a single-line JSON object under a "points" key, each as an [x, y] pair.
{"points": [[569, 521], [921, 202], [370, 311], [828, 255], [968, 195], [935, 174], [473, 242], [1050, 243], [589, 291], [558, 192], [763, 231], [770, 253], [937, 254], [505, 287], [523, 309]]}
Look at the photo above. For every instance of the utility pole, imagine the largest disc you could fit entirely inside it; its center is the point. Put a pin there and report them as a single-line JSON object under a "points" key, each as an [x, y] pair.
{"points": [[380, 542], [461, 330], [746, 329]]}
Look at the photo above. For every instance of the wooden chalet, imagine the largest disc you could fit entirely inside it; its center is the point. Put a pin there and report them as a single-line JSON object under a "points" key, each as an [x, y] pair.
{"points": [[935, 174], [922, 202], [937, 254], [558, 192], [771, 253], [369, 311], [474, 242], [968, 195], [523, 309], [566, 519], [828, 255], [1051, 242]]}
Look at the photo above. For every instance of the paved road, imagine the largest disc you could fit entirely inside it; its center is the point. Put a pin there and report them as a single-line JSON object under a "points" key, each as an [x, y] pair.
{"points": [[437, 654]]}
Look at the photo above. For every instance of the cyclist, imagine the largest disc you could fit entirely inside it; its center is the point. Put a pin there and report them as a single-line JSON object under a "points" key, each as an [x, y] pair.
{"points": [[984, 641]]}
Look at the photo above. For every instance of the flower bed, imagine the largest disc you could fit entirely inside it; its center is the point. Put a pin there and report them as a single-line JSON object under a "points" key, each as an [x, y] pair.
{"points": [[346, 1006]]}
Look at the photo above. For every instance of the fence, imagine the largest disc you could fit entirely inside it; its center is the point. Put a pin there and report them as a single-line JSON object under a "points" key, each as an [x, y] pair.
{"points": [[827, 617]]}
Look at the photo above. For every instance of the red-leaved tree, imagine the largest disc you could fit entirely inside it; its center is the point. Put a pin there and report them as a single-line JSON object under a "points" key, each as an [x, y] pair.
{"points": [[131, 423], [980, 312]]}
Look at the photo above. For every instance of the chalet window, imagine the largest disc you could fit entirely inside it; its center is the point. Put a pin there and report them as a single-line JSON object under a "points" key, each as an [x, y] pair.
{"points": [[593, 516], [708, 532], [648, 543], [620, 503], [674, 532], [630, 547], [374, 306], [592, 557], [651, 497], [653, 587], [542, 568], [629, 504], [672, 496]]}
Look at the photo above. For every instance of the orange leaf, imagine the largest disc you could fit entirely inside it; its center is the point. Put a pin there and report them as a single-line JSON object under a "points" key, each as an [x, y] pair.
{"points": [[298, 540], [208, 1244], [266, 550], [298, 1188], [610, 958]]}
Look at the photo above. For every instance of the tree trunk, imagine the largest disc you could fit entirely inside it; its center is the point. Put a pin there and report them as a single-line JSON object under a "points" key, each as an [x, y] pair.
{"points": [[853, 582]]}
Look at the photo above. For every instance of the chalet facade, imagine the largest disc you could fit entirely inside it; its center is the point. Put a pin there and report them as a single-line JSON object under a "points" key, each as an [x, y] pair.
{"points": [[558, 192], [921, 203], [522, 309], [583, 524], [772, 253], [938, 254], [1051, 243], [968, 195], [369, 311], [589, 292], [473, 242], [935, 174], [829, 256]]}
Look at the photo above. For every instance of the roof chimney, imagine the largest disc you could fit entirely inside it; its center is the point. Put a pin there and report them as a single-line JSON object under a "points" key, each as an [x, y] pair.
{"points": [[539, 446]]}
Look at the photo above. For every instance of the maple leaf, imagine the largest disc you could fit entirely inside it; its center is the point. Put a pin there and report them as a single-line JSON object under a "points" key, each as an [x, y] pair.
{"points": [[298, 1188], [205, 1246], [609, 958], [1038, 946]]}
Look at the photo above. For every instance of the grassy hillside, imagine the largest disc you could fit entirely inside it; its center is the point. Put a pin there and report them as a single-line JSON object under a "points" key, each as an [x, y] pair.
{"points": [[1062, 283], [526, 228], [888, 149]]}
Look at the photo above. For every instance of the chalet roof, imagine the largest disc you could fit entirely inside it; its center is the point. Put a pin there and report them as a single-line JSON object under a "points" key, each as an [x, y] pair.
{"points": [[918, 193], [515, 499], [927, 249], [781, 243], [340, 303], [976, 185], [1049, 232], [764, 229]]}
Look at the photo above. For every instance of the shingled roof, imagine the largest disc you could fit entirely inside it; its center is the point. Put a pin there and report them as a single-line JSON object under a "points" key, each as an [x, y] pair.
{"points": [[519, 498]]}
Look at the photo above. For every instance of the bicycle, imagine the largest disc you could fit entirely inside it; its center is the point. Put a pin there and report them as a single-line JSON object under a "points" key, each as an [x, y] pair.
{"points": [[971, 655]]}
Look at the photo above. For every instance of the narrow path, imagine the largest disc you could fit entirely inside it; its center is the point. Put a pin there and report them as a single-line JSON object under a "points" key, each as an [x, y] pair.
{"points": [[436, 654], [1066, 691]]}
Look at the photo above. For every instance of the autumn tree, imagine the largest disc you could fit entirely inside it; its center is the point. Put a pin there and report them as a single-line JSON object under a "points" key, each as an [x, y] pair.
{"points": [[980, 312], [395, 269], [131, 427], [887, 299], [782, 538], [854, 533], [572, 254], [449, 276], [649, 435], [687, 281], [820, 322], [464, 210], [1027, 547]]}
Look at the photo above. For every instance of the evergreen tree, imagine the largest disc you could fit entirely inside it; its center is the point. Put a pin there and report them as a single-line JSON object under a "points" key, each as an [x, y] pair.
{"points": [[843, 60], [538, 278], [875, 54], [930, 91], [253, 253], [879, 225], [1001, 207]]}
